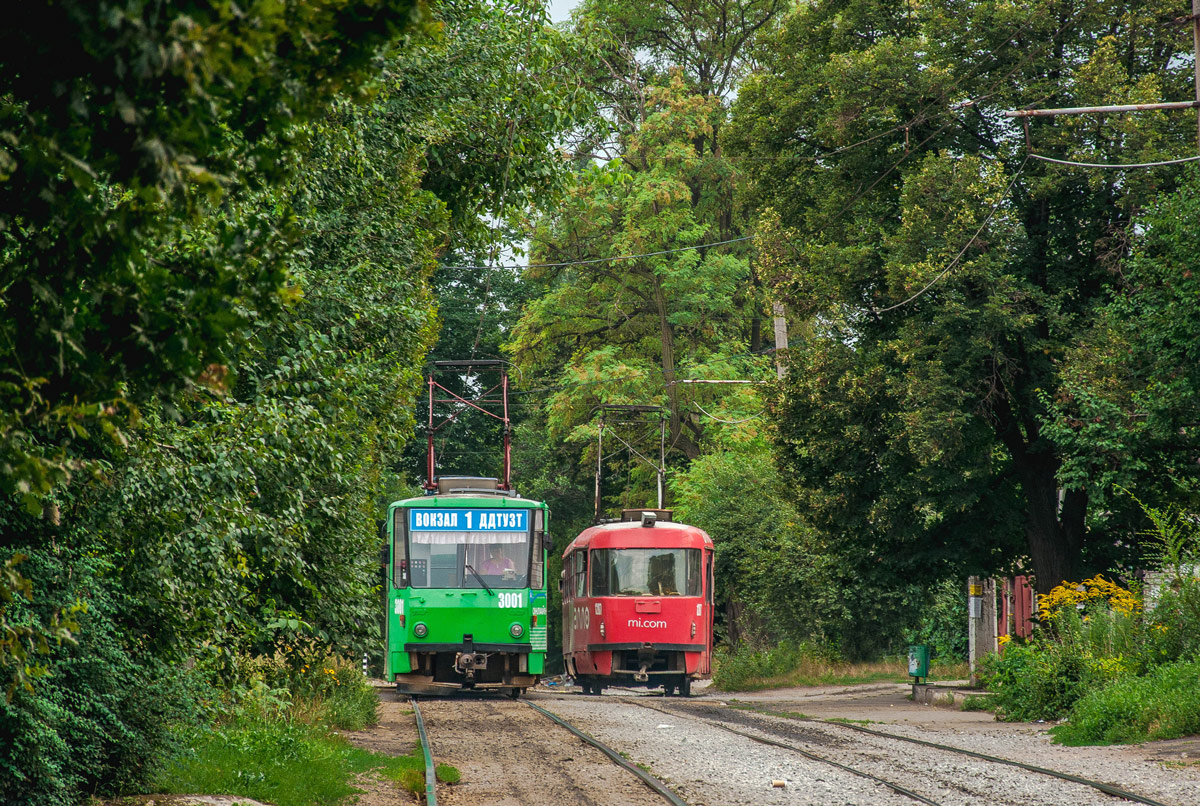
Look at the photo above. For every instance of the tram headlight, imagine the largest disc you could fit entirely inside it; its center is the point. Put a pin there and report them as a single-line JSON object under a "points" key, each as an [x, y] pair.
{"points": [[420, 630], [516, 631], [602, 629]]}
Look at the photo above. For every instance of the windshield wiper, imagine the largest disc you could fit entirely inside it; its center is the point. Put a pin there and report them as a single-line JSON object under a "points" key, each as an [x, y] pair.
{"points": [[481, 582]]}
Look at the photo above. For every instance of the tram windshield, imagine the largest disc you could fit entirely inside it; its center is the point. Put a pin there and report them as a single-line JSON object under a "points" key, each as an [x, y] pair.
{"points": [[645, 572], [468, 549]]}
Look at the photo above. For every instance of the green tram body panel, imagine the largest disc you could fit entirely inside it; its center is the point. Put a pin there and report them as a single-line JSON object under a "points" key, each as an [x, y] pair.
{"points": [[468, 639]]}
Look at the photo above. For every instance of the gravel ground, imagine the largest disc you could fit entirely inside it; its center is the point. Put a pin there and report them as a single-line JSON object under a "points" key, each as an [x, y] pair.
{"points": [[707, 766], [1166, 771], [711, 766], [509, 754]]}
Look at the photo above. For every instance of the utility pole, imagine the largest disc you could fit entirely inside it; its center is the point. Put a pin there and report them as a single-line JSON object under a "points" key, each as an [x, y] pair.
{"points": [[1196, 52], [1026, 114], [781, 336]]}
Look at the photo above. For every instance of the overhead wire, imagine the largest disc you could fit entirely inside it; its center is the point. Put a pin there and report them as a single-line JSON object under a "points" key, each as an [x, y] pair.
{"points": [[1113, 166], [966, 246]]}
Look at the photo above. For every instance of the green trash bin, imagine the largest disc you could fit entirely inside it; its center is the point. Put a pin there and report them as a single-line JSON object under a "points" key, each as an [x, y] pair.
{"points": [[918, 661]]}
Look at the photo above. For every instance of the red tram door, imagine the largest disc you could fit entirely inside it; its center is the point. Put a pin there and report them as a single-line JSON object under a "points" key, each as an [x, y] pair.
{"points": [[705, 667]]}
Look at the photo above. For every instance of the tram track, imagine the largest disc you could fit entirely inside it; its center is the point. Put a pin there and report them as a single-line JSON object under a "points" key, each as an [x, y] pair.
{"points": [[508, 712], [682, 709]]}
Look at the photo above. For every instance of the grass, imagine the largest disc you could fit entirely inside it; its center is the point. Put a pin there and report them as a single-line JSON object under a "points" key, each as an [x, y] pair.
{"points": [[282, 762], [274, 740], [789, 665], [977, 702]]}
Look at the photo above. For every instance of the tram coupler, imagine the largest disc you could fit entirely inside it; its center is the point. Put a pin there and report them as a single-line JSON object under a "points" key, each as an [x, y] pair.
{"points": [[645, 659], [468, 662]]}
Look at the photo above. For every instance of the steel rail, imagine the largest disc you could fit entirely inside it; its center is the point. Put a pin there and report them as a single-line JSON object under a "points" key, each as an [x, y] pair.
{"points": [[430, 772], [646, 778], [1107, 789], [908, 793]]}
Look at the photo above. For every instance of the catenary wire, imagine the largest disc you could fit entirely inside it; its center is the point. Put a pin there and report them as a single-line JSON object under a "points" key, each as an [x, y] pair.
{"points": [[1112, 166], [966, 246]]}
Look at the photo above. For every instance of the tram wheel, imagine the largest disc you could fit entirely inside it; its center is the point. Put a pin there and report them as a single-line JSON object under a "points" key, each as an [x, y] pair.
{"points": [[668, 690], [685, 687], [515, 693]]}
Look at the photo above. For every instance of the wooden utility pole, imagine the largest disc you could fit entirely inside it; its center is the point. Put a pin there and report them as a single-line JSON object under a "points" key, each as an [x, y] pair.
{"points": [[1196, 52], [781, 336], [981, 622]]}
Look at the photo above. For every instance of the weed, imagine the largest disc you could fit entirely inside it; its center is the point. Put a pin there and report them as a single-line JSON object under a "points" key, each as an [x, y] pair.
{"points": [[1162, 705], [750, 669], [447, 774], [977, 702]]}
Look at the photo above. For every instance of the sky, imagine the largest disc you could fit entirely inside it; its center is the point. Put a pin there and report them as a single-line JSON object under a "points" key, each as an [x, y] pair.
{"points": [[561, 9]]}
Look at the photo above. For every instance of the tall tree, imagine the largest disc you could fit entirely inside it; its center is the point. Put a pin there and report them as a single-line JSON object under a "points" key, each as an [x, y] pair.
{"points": [[631, 330], [944, 275]]}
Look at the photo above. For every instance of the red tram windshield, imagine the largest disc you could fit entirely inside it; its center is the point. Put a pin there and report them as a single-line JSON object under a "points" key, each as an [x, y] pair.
{"points": [[645, 572]]}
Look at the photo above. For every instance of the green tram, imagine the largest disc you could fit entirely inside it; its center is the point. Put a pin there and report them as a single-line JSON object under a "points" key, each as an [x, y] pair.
{"points": [[466, 601]]}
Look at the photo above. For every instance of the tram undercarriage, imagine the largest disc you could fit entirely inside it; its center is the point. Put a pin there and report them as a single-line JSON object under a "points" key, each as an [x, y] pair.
{"points": [[454, 669], [642, 667]]}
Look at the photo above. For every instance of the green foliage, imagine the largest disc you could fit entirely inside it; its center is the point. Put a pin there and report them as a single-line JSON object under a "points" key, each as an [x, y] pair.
{"points": [[1032, 681], [745, 667], [942, 615], [217, 243], [1115, 671], [1162, 705], [97, 720], [942, 289], [1131, 391], [128, 126], [270, 733]]}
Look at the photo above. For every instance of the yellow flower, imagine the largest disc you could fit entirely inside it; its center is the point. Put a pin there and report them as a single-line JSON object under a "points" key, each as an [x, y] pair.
{"points": [[1004, 639]]}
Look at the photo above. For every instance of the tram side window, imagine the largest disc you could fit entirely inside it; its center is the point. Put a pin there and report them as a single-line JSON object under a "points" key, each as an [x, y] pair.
{"points": [[399, 551], [580, 573], [600, 573]]}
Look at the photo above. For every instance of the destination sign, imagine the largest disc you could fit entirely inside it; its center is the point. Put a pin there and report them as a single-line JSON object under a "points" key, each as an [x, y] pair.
{"points": [[468, 520]]}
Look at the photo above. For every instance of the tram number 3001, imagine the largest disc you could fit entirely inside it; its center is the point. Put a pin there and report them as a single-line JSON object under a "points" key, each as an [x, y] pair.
{"points": [[510, 599]]}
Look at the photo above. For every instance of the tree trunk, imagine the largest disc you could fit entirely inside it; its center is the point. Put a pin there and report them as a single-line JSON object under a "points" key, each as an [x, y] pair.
{"points": [[1054, 532], [676, 438]]}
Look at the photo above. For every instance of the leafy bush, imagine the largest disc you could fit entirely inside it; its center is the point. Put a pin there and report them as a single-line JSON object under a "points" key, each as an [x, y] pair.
{"points": [[1090, 635], [309, 683], [942, 620], [98, 720], [746, 667], [270, 734], [1173, 629], [1034, 680], [1162, 705]]}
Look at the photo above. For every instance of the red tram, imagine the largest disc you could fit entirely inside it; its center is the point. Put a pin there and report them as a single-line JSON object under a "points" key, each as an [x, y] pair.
{"points": [[637, 604]]}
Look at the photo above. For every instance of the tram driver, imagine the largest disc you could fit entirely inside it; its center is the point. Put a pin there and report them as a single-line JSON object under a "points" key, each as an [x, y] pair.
{"points": [[497, 563]]}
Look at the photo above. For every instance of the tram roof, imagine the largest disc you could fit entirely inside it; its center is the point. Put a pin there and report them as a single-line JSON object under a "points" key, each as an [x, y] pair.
{"points": [[631, 534], [461, 500]]}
